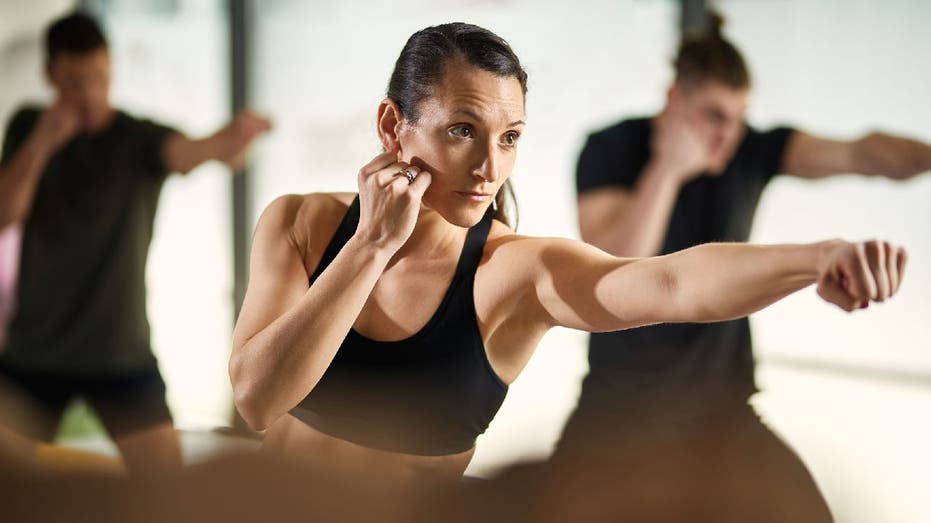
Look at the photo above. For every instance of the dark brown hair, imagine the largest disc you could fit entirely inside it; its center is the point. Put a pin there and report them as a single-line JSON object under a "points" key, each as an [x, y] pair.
{"points": [[75, 33], [711, 57]]}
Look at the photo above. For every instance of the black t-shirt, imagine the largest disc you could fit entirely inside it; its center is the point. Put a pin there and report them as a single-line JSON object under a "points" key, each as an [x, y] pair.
{"points": [[680, 360], [81, 300]]}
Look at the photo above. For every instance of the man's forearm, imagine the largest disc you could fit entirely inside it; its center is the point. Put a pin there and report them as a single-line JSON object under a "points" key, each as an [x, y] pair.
{"points": [[639, 228], [19, 180]]}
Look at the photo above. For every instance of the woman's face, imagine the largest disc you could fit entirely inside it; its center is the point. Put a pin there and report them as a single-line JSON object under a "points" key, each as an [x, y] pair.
{"points": [[466, 137]]}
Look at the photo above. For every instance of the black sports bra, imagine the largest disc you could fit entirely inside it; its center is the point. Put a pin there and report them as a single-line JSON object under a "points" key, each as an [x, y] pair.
{"points": [[430, 394]]}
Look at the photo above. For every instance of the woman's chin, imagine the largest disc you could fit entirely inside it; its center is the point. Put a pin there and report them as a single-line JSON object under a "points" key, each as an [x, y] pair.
{"points": [[461, 216]]}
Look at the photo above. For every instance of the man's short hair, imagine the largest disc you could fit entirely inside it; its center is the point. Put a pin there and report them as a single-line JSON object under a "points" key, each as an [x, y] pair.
{"points": [[75, 33]]}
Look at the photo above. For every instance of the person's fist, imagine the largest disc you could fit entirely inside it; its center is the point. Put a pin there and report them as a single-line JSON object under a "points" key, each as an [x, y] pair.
{"points": [[679, 147], [390, 193], [58, 124], [240, 133], [858, 273]]}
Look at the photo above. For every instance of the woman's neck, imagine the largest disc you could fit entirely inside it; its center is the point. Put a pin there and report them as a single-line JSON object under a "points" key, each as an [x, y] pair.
{"points": [[433, 237]]}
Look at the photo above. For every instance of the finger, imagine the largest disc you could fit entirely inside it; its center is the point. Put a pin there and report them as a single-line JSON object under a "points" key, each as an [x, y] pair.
{"points": [[901, 259], [400, 179], [859, 278], [391, 174], [876, 258], [378, 163], [833, 292], [892, 266], [420, 183]]}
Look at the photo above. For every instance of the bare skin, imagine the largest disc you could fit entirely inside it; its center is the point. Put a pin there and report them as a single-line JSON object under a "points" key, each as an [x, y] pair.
{"points": [[390, 277]]}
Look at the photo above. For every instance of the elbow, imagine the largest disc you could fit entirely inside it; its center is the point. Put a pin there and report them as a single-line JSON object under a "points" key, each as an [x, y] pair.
{"points": [[248, 397], [10, 215], [251, 409], [6, 219]]}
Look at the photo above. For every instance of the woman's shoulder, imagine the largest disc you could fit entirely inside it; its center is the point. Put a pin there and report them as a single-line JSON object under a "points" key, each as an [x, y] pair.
{"points": [[502, 236], [518, 254], [306, 209], [307, 219]]}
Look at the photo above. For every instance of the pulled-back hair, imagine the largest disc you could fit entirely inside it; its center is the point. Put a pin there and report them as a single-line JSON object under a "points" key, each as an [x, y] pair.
{"points": [[711, 57]]}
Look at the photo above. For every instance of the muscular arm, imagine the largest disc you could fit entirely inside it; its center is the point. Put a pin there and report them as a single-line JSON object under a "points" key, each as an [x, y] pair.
{"points": [[228, 145], [630, 223], [583, 288], [877, 154], [287, 334]]}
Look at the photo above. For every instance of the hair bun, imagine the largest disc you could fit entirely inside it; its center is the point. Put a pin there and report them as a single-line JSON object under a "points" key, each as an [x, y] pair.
{"points": [[715, 23]]}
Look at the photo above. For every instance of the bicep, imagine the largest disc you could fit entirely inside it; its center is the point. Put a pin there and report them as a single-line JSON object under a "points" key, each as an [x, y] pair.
{"points": [[582, 287], [277, 274], [812, 157]]}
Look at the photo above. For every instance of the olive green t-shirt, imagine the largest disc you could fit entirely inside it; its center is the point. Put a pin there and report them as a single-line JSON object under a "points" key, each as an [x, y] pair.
{"points": [[81, 299]]}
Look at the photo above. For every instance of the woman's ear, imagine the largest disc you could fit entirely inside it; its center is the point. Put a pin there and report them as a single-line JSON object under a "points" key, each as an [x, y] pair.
{"points": [[389, 125]]}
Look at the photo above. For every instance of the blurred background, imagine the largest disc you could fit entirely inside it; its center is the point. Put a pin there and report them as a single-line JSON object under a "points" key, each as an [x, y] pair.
{"points": [[852, 394]]}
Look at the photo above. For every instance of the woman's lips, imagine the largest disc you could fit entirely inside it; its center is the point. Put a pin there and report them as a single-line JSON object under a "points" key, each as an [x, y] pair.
{"points": [[474, 196]]}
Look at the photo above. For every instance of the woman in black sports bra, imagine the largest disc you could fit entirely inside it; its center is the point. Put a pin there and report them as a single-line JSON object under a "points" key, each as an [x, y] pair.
{"points": [[380, 331]]}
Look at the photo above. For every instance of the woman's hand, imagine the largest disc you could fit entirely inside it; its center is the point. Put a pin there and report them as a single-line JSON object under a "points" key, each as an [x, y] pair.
{"points": [[389, 201], [857, 273]]}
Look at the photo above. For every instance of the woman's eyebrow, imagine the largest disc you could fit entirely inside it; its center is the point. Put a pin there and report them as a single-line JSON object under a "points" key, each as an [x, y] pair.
{"points": [[471, 114]]}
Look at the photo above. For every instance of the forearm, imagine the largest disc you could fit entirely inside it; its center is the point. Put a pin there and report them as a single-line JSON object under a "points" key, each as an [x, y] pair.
{"points": [[276, 368], [891, 156], [718, 282], [182, 154], [638, 229], [19, 180]]}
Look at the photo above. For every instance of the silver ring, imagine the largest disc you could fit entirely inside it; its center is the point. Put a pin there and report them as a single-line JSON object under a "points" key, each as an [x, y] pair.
{"points": [[409, 174]]}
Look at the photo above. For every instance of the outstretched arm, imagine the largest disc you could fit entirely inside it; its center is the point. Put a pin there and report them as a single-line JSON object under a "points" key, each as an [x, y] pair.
{"points": [[228, 145], [583, 288], [876, 154]]}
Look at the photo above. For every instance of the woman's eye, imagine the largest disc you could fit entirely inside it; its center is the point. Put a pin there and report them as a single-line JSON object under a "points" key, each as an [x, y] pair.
{"points": [[511, 138], [461, 132]]}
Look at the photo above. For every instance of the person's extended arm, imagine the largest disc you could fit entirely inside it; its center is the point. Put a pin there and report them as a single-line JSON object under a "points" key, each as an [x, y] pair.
{"points": [[228, 145], [876, 154], [287, 335], [583, 288]]}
